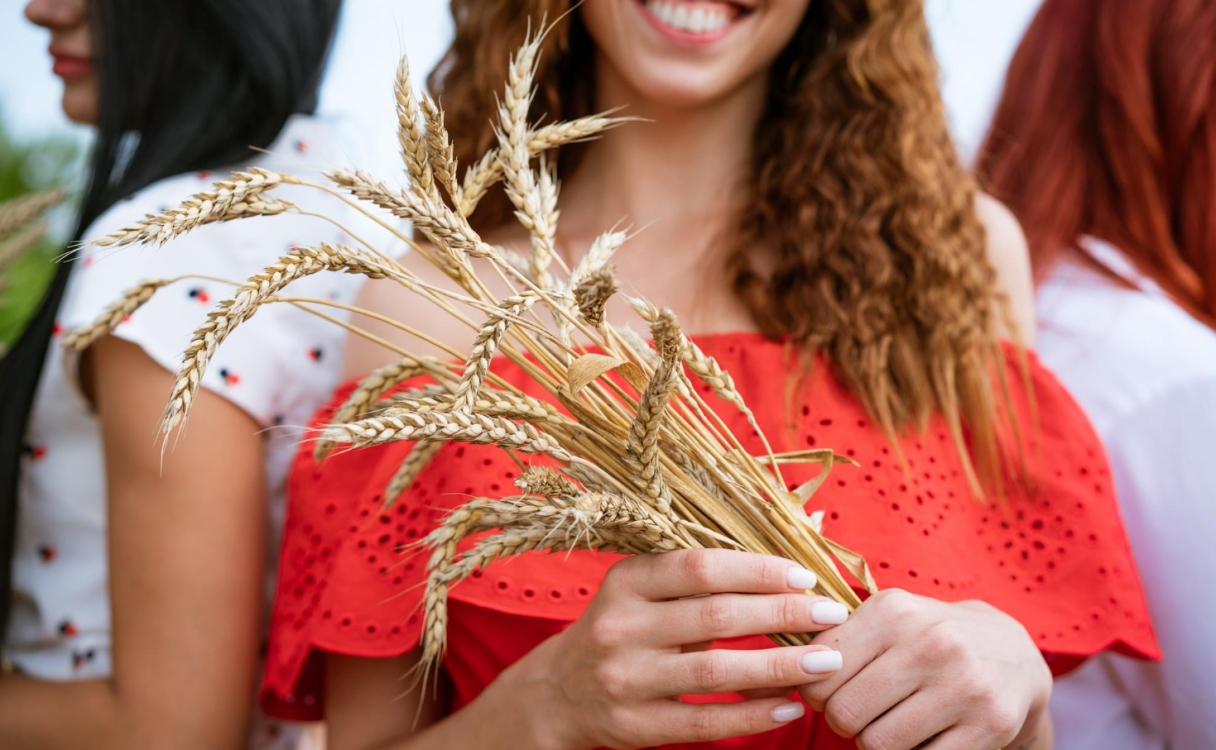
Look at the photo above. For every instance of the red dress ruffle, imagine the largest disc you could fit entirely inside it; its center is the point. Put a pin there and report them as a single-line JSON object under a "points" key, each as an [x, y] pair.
{"points": [[1055, 557]]}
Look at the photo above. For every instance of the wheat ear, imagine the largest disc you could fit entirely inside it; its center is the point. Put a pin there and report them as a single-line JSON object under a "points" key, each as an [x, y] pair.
{"points": [[21, 241], [410, 134], [415, 461], [242, 196], [231, 313], [598, 256], [642, 449], [545, 481], [373, 386], [534, 197], [489, 402], [440, 151], [396, 425], [487, 172], [506, 544], [18, 212], [132, 299], [593, 293], [301, 262], [443, 227], [486, 345]]}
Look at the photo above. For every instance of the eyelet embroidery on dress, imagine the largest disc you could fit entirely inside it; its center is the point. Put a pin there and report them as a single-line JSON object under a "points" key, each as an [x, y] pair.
{"points": [[996, 552]]}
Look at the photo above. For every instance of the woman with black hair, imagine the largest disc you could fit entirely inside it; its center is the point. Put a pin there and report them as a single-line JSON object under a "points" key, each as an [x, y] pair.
{"points": [[135, 593]]}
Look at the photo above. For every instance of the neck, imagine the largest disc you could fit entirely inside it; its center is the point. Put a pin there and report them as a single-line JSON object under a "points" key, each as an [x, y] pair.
{"points": [[676, 174]]}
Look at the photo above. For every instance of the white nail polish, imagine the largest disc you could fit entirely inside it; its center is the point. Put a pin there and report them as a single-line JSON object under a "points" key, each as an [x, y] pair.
{"points": [[801, 579], [822, 662], [829, 613], [787, 712]]}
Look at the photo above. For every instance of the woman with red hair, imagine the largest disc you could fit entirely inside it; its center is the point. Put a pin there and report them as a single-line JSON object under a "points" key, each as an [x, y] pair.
{"points": [[1104, 145]]}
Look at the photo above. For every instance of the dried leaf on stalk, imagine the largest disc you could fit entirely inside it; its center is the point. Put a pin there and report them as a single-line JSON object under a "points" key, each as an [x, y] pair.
{"points": [[591, 366]]}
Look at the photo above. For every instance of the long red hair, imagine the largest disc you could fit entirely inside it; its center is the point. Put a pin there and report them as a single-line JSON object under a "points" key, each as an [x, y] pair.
{"points": [[1107, 128]]}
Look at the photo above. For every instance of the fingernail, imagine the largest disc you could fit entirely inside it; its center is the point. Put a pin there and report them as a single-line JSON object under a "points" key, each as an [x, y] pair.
{"points": [[801, 579], [829, 613], [787, 712], [822, 662]]}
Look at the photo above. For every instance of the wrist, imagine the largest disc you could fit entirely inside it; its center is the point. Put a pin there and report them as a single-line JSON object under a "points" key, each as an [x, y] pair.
{"points": [[525, 699], [1036, 733]]}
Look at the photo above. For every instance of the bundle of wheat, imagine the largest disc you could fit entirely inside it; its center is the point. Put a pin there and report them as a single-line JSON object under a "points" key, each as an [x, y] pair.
{"points": [[634, 461]]}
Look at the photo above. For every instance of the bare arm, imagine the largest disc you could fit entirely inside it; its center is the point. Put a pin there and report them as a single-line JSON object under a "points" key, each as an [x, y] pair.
{"points": [[1010, 256], [370, 706], [186, 556]]}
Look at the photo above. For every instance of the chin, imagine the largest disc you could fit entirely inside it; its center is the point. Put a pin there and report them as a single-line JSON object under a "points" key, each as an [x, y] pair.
{"points": [[683, 89], [80, 103]]}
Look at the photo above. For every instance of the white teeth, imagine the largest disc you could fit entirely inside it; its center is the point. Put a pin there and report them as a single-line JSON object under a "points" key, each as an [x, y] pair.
{"points": [[692, 20], [681, 20], [698, 22]]}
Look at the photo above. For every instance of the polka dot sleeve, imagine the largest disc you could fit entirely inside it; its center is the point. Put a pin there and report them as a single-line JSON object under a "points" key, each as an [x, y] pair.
{"points": [[279, 359]]}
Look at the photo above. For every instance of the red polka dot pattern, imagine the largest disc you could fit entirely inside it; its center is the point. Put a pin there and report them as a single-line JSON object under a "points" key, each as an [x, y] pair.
{"points": [[1055, 557]]}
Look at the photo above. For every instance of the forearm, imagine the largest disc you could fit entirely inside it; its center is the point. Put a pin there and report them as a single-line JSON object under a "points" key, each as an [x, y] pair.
{"points": [[38, 715], [362, 713], [491, 722]]}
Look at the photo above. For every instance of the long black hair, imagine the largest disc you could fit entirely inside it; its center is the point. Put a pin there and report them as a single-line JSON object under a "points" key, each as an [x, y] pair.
{"points": [[182, 87]]}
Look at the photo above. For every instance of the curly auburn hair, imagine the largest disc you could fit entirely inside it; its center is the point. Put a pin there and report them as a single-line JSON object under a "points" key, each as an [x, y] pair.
{"points": [[861, 240]]}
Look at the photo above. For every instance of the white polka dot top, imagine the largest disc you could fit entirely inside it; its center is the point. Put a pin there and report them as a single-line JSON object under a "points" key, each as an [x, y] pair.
{"points": [[278, 368]]}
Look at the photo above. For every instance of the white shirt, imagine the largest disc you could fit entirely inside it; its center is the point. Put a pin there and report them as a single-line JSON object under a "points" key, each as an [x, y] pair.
{"points": [[279, 367], [1145, 372]]}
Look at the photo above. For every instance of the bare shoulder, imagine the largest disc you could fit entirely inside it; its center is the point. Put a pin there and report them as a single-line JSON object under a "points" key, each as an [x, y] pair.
{"points": [[1010, 256], [434, 331], [390, 300]]}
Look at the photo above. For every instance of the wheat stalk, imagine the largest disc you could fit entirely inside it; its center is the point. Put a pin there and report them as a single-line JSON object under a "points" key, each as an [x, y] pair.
{"points": [[489, 402]]}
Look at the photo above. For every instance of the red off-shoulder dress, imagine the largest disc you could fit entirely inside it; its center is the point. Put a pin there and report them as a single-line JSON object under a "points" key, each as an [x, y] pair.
{"points": [[1055, 557]]}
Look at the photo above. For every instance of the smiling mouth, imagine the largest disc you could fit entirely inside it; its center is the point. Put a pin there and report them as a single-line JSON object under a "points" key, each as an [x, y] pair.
{"points": [[703, 19]]}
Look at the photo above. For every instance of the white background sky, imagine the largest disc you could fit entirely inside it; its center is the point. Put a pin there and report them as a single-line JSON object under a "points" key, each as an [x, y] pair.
{"points": [[974, 40]]}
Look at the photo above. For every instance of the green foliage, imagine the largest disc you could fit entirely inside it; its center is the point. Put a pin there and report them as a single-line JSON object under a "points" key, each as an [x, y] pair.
{"points": [[25, 168]]}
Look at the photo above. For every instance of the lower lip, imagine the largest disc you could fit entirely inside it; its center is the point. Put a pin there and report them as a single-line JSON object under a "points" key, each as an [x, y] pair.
{"points": [[72, 67], [686, 37]]}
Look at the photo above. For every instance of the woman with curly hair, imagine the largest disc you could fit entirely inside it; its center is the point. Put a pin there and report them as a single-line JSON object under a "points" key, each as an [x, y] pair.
{"points": [[804, 211], [1105, 146]]}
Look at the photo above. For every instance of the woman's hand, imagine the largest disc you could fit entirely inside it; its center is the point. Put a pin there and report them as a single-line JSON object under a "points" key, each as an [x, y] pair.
{"points": [[962, 676], [613, 679]]}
